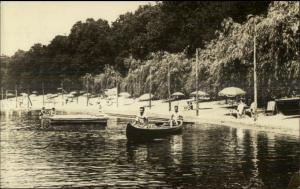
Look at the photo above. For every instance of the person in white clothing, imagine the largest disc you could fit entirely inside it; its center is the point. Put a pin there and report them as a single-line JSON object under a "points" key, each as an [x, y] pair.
{"points": [[241, 109], [141, 118], [176, 117]]}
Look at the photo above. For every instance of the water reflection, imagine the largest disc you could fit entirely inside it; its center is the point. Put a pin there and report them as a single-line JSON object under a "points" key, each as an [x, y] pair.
{"points": [[203, 156]]}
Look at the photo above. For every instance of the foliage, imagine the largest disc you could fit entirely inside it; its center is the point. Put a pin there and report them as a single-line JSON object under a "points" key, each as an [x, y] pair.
{"points": [[227, 60], [165, 34]]}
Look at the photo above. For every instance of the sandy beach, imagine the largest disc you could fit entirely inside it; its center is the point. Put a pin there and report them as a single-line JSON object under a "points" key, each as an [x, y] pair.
{"points": [[213, 112]]}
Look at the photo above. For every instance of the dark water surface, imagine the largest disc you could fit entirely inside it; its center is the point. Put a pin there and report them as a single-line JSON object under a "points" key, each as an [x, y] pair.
{"points": [[204, 156]]}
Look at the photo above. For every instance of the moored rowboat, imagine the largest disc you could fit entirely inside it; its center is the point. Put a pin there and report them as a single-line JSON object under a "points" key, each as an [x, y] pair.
{"points": [[134, 132], [74, 121]]}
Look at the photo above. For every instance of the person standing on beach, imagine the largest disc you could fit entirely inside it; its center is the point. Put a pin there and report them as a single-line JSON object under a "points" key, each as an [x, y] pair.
{"points": [[241, 109], [253, 110], [141, 118], [176, 117]]}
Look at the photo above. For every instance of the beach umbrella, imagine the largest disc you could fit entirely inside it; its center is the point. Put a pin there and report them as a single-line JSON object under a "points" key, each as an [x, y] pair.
{"points": [[73, 92], [146, 97], [177, 94], [231, 92], [34, 92], [54, 95], [23, 94], [69, 95], [125, 94], [200, 93], [10, 95], [86, 94]]}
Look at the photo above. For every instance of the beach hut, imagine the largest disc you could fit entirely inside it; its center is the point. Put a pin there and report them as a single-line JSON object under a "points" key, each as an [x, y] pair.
{"points": [[146, 97], [125, 94], [232, 92]]}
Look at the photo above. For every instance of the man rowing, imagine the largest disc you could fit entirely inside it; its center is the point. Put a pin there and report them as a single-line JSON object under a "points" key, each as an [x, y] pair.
{"points": [[141, 118]]}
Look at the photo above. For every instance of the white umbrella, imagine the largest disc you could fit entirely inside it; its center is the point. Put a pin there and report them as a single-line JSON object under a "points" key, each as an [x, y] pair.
{"points": [[231, 92], [70, 95], [86, 94], [54, 95], [125, 94], [177, 94], [9, 95], [34, 92], [145, 97], [23, 94], [200, 93]]}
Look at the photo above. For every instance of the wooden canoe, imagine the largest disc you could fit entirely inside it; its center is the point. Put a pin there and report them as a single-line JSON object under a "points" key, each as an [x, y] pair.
{"points": [[134, 132]]}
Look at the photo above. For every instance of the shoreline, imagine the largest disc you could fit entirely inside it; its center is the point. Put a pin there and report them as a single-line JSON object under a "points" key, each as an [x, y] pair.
{"points": [[256, 126], [214, 112]]}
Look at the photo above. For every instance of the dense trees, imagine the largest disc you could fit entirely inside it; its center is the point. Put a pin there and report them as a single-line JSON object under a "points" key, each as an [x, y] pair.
{"points": [[168, 33], [227, 60]]}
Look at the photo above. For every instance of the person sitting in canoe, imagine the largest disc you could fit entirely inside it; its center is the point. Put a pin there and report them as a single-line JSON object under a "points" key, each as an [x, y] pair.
{"points": [[141, 118], [176, 117]]}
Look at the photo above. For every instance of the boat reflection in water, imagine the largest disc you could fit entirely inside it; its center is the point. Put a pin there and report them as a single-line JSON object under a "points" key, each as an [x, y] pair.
{"points": [[203, 156]]}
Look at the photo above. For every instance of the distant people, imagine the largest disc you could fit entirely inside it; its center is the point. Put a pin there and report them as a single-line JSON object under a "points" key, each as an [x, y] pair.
{"points": [[141, 118], [252, 109], [241, 109], [52, 112], [99, 106], [176, 117], [42, 112], [190, 105]]}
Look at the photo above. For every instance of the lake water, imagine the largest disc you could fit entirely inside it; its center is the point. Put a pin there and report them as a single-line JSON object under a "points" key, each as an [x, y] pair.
{"points": [[203, 156]]}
